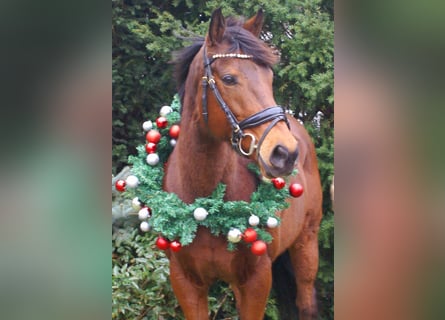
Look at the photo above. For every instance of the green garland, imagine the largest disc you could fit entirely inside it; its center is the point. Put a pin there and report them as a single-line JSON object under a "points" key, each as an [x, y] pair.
{"points": [[174, 219]]}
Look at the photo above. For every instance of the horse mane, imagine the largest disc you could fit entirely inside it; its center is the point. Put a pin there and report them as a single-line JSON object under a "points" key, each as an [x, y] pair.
{"points": [[238, 38], [182, 60]]}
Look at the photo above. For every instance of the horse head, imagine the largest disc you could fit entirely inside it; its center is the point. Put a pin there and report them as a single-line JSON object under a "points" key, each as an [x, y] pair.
{"points": [[237, 98]]}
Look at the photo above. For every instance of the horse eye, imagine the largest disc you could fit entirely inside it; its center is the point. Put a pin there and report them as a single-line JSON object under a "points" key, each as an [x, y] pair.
{"points": [[229, 79]]}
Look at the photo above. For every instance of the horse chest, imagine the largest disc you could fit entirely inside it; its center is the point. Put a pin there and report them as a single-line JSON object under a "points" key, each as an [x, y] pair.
{"points": [[194, 181], [207, 259]]}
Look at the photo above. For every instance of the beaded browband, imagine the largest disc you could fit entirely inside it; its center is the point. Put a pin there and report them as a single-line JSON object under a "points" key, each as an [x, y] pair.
{"points": [[232, 55]]}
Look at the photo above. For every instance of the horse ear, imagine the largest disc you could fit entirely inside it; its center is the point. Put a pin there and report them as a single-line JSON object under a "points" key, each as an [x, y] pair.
{"points": [[255, 24], [217, 27]]}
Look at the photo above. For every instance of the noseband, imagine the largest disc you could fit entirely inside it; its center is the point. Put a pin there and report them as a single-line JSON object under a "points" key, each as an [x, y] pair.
{"points": [[273, 114]]}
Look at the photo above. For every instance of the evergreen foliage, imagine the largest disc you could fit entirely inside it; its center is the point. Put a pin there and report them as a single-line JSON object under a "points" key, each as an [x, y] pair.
{"points": [[174, 219], [145, 33]]}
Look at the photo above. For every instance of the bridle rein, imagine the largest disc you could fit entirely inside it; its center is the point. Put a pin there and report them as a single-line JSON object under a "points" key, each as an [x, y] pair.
{"points": [[273, 114]]}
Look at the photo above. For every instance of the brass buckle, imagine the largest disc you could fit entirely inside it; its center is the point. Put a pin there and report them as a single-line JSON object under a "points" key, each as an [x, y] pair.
{"points": [[252, 146], [208, 80]]}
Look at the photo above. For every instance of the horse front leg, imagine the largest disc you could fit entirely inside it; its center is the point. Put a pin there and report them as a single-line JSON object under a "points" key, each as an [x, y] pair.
{"points": [[192, 296], [251, 296], [304, 258]]}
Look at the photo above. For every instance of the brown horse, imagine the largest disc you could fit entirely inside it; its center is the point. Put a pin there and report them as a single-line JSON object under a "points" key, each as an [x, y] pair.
{"points": [[230, 118]]}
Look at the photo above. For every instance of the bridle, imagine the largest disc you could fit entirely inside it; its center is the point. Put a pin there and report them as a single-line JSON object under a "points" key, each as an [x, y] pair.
{"points": [[273, 114]]}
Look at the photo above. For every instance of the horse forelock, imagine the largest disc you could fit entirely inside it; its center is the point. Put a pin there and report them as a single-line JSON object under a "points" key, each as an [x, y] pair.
{"points": [[242, 40]]}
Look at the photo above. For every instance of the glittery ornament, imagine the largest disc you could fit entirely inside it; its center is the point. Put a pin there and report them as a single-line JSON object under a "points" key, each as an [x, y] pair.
{"points": [[132, 181], [145, 226], [278, 182], [295, 190], [174, 131], [234, 235], [162, 243], [136, 204], [152, 159], [150, 147], [272, 222], [200, 214], [120, 185], [144, 213], [165, 110], [161, 122], [249, 235], [147, 125], [153, 136], [258, 248], [254, 220], [175, 246]]}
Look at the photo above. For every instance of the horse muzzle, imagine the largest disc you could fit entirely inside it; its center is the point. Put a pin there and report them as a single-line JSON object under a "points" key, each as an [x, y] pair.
{"points": [[282, 162]]}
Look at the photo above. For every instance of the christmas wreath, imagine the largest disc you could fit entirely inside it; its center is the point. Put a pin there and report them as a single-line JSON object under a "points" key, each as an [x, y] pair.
{"points": [[176, 221]]}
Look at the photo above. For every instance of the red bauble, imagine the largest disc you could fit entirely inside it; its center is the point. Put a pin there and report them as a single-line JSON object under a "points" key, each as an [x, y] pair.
{"points": [[259, 248], [162, 243], [120, 185], [150, 147], [153, 136], [161, 122], [278, 182], [249, 235], [175, 246], [174, 131], [295, 190]]}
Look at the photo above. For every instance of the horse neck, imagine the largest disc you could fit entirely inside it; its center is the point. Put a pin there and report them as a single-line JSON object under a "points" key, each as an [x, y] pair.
{"points": [[204, 161]]}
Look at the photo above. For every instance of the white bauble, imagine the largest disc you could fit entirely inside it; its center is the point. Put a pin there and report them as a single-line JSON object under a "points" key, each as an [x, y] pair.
{"points": [[144, 213], [200, 214], [165, 110], [153, 159], [272, 222], [173, 142], [147, 125], [132, 181], [145, 226], [254, 220], [136, 204], [234, 235]]}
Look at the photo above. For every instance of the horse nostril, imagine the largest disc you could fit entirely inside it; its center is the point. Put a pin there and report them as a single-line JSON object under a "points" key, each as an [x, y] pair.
{"points": [[279, 157]]}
